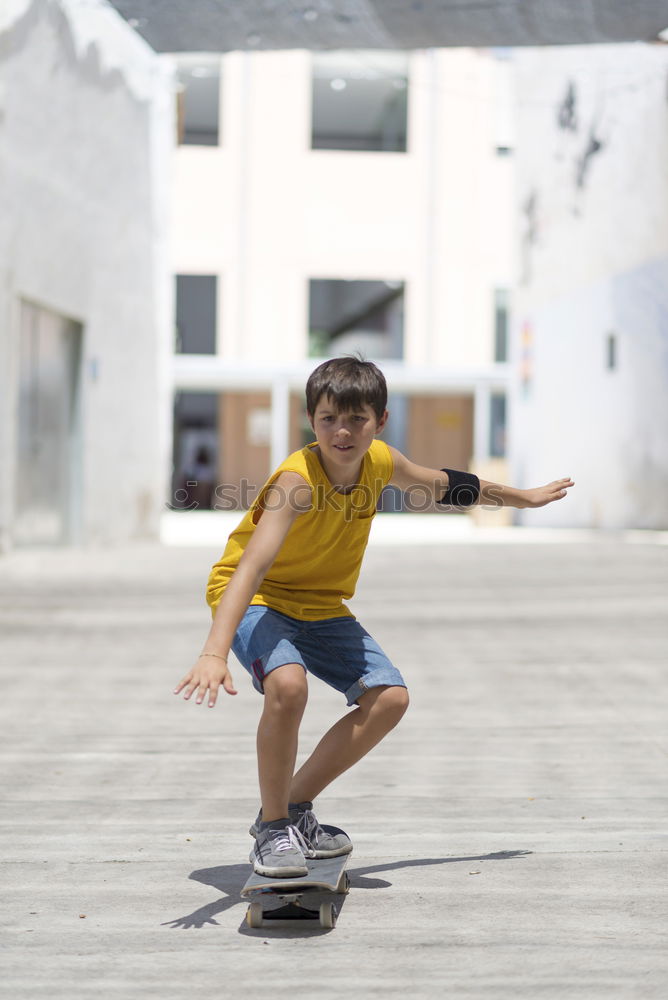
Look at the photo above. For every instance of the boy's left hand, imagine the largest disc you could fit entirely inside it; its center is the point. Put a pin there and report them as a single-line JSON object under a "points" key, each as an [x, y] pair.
{"points": [[542, 495]]}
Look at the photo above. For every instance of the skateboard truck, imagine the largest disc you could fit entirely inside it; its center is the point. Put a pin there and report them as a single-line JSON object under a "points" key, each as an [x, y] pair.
{"points": [[294, 906]]}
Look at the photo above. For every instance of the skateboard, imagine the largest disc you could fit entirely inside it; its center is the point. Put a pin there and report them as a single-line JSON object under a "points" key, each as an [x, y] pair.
{"points": [[278, 901]]}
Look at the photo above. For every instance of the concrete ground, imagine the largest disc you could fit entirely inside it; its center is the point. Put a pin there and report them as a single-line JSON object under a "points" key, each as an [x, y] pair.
{"points": [[511, 836]]}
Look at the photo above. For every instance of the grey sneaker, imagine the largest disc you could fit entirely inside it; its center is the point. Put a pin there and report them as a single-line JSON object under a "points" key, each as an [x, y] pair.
{"points": [[322, 844], [280, 852]]}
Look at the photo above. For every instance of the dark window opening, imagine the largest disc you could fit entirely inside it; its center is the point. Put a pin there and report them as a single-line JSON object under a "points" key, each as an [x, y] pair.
{"points": [[360, 101], [501, 309], [350, 316], [198, 100], [196, 307], [497, 442], [611, 352], [195, 454]]}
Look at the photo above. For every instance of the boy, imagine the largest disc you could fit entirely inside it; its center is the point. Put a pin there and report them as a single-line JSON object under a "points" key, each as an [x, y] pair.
{"points": [[277, 596]]}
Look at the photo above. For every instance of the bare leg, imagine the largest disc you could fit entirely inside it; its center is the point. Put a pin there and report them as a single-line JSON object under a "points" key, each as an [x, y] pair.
{"points": [[351, 738], [285, 693]]}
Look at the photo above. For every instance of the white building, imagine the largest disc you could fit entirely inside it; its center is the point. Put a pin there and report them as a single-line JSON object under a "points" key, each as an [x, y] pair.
{"points": [[315, 203], [590, 331], [327, 201], [86, 134]]}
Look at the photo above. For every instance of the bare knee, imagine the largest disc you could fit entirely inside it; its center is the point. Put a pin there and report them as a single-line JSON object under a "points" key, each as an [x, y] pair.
{"points": [[390, 702], [286, 689], [395, 701]]}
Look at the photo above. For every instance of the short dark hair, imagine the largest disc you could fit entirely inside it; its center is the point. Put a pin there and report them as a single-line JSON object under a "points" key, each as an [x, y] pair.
{"points": [[349, 384]]}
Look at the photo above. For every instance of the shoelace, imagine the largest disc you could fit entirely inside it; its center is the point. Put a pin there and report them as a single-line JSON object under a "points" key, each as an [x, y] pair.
{"points": [[312, 829], [289, 837]]}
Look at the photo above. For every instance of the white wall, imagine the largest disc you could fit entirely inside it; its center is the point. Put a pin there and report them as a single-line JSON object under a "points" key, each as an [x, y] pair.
{"points": [[594, 262], [266, 213], [85, 142]]}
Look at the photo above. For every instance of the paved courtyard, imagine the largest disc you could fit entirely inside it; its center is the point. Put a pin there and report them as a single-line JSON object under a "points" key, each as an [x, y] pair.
{"points": [[511, 836]]}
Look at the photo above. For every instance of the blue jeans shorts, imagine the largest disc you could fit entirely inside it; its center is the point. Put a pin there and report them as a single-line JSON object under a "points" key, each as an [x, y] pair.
{"points": [[337, 650]]}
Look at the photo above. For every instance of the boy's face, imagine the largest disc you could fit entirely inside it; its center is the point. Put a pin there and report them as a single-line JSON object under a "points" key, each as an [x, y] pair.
{"points": [[344, 438]]}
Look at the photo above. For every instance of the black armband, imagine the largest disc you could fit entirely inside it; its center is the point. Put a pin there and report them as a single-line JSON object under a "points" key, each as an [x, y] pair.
{"points": [[463, 489]]}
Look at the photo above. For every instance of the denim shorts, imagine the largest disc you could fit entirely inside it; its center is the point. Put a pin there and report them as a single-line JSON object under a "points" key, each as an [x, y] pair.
{"points": [[337, 650]]}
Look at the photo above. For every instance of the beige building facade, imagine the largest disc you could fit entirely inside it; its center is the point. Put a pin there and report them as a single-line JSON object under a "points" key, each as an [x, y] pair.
{"points": [[332, 202]]}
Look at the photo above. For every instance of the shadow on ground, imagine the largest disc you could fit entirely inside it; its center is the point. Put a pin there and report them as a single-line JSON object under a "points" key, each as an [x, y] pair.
{"points": [[230, 879]]}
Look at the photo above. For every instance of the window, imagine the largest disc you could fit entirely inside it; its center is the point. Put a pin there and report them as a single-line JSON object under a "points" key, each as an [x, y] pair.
{"points": [[348, 316], [198, 100], [195, 456], [503, 108], [501, 307], [196, 298], [611, 352], [497, 437], [360, 100]]}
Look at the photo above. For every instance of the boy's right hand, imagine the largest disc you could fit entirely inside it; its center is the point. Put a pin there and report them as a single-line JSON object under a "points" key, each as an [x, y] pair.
{"points": [[207, 675]]}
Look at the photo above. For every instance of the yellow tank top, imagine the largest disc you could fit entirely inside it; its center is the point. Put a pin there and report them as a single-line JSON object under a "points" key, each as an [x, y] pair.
{"points": [[319, 562]]}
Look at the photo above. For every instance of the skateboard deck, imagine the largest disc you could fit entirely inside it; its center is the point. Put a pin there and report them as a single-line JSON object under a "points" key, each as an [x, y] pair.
{"points": [[276, 901]]}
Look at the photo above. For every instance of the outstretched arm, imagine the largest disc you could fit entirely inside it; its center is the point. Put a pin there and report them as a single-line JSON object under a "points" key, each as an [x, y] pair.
{"points": [[471, 491], [497, 495]]}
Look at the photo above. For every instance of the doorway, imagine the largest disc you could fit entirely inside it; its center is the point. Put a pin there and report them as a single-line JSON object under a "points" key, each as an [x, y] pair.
{"points": [[48, 491]]}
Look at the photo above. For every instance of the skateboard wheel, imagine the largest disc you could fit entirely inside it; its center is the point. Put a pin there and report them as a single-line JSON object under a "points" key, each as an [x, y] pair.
{"points": [[254, 915], [327, 915]]}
